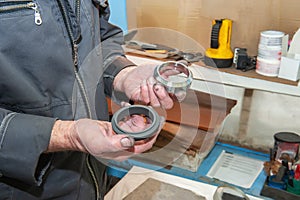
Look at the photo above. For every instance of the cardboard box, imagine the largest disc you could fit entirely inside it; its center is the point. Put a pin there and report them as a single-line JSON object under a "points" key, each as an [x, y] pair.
{"points": [[194, 18], [290, 59], [289, 69]]}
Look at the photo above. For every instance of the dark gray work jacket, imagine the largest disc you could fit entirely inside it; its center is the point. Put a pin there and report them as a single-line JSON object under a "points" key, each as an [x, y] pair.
{"points": [[56, 62]]}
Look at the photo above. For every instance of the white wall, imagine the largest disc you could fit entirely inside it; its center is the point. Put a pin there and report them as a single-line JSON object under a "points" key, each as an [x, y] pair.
{"points": [[272, 113], [269, 113]]}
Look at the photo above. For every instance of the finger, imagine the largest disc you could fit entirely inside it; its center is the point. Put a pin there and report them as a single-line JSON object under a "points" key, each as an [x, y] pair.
{"points": [[170, 72], [153, 99], [122, 142], [127, 142], [142, 147], [162, 122], [124, 104], [144, 92], [184, 62], [145, 145], [153, 138], [163, 96], [180, 95]]}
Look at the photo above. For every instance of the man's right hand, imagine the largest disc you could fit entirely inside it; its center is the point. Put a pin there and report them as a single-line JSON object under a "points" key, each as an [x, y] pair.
{"points": [[97, 138]]}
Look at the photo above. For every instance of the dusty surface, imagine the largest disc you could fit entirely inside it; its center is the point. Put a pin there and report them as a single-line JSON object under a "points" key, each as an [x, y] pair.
{"points": [[153, 189]]}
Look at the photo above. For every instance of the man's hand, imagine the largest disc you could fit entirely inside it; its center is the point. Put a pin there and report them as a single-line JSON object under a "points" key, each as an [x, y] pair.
{"points": [[139, 84], [97, 138]]}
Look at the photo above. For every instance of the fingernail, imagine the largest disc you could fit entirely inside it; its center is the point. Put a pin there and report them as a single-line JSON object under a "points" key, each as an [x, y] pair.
{"points": [[123, 104], [159, 89], [180, 96], [156, 88], [127, 142], [151, 80], [144, 82]]}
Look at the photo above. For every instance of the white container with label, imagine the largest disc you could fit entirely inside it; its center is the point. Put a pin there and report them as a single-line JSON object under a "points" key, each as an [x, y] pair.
{"points": [[267, 67], [271, 38], [269, 53]]}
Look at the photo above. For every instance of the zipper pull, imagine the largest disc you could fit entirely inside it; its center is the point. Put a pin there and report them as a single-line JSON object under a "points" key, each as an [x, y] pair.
{"points": [[75, 56], [37, 15]]}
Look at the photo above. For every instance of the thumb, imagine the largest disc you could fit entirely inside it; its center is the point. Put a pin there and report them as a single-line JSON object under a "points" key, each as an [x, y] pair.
{"points": [[162, 122], [123, 141]]}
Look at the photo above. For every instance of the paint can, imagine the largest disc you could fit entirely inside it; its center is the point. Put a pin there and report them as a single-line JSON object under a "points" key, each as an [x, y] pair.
{"points": [[286, 143], [267, 67], [269, 53], [271, 38]]}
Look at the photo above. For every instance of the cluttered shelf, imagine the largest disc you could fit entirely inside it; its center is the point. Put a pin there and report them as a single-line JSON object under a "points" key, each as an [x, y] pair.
{"points": [[230, 70], [230, 76]]}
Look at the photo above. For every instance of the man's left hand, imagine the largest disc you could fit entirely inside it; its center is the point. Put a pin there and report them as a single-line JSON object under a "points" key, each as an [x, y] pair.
{"points": [[139, 84]]}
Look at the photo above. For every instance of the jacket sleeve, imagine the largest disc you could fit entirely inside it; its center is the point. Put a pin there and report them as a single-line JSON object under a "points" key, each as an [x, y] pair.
{"points": [[113, 54], [23, 139]]}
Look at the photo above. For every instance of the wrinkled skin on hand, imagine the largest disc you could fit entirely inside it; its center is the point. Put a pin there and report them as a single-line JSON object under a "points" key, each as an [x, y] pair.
{"points": [[139, 85], [98, 139]]}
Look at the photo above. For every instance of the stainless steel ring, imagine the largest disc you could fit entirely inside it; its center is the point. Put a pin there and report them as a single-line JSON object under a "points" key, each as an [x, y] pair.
{"points": [[176, 82], [139, 110]]}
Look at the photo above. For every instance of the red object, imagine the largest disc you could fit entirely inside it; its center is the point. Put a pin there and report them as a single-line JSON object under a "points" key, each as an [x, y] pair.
{"points": [[297, 172]]}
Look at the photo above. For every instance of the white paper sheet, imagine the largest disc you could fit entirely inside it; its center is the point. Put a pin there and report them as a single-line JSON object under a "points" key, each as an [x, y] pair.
{"points": [[236, 169]]}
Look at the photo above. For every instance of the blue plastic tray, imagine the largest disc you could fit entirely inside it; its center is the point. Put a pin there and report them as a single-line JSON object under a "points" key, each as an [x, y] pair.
{"points": [[119, 169]]}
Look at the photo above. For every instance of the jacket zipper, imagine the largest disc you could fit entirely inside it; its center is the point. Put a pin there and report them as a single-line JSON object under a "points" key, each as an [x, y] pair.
{"points": [[30, 5], [74, 46], [77, 12]]}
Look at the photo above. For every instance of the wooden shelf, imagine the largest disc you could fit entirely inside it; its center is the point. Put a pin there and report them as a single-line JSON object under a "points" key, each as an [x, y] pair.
{"points": [[251, 74], [232, 77], [230, 70]]}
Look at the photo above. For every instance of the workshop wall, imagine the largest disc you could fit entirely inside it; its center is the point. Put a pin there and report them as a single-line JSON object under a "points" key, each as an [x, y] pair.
{"points": [[268, 112], [194, 18]]}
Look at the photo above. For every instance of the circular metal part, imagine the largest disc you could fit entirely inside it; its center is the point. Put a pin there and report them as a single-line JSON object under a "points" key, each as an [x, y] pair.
{"points": [[126, 114], [174, 76], [234, 191]]}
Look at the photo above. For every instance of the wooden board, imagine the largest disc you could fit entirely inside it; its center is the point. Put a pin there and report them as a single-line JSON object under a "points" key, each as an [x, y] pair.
{"points": [[202, 110]]}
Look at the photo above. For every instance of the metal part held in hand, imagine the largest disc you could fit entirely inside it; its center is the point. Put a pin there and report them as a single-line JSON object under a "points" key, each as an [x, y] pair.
{"points": [[229, 192], [140, 110], [175, 77]]}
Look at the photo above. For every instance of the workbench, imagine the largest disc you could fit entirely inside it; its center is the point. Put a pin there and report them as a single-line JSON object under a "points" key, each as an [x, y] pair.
{"points": [[120, 169]]}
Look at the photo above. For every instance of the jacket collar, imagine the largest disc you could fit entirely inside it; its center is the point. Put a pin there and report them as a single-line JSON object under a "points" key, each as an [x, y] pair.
{"points": [[103, 3]]}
